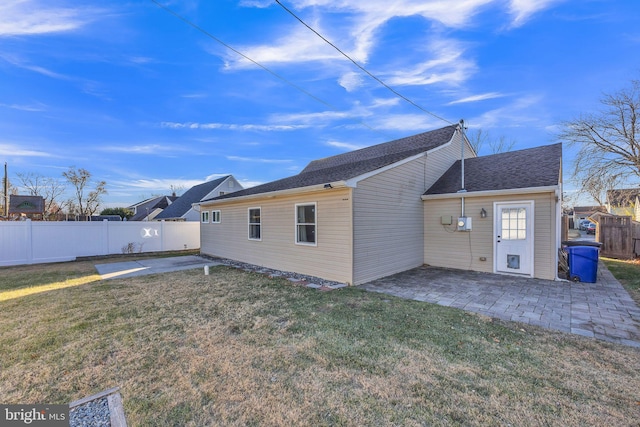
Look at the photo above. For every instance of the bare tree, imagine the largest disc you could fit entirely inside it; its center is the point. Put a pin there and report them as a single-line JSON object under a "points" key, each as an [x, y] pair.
{"points": [[607, 142], [84, 204], [479, 139], [49, 188]]}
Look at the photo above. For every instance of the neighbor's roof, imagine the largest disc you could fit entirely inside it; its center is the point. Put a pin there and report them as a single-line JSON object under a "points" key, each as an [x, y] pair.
{"points": [[193, 195], [26, 204], [147, 206], [355, 163], [622, 197], [533, 167], [588, 210]]}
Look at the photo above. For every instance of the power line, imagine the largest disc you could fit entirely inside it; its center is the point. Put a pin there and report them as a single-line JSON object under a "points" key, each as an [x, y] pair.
{"points": [[273, 73], [360, 66]]}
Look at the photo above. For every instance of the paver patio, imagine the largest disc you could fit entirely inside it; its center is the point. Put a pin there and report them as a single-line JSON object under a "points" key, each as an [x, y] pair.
{"points": [[602, 310]]}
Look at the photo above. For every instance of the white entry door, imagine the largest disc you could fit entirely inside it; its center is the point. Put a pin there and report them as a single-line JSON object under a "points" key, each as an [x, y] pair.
{"points": [[513, 227]]}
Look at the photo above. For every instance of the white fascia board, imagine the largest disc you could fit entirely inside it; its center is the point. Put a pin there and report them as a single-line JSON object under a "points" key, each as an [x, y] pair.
{"points": [[274, 194], [353, 182], [507, 192]]}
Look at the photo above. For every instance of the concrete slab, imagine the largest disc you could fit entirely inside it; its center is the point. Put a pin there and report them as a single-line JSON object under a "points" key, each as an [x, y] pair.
{"points": [[120, 270]]}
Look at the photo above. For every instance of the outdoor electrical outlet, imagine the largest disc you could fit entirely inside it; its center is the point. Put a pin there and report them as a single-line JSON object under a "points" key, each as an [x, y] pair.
{"points": [[483, 258]]}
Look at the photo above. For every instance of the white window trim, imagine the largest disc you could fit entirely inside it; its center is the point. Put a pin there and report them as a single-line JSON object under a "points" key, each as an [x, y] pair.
{"points": [[202, 217], [213, 217], [295, 224], [249, 223]]}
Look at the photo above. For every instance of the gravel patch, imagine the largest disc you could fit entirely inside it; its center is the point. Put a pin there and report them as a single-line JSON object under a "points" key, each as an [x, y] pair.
{"points": [[295, 278], [94, 413]]}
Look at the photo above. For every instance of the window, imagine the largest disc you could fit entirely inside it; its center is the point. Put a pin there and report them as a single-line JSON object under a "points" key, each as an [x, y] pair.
{"points": [[205, 216], [254, 224], [306, 224], [215, 216], [514, 224]]}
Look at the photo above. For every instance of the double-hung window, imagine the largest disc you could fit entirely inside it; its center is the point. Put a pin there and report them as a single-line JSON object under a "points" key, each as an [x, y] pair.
{"points": [[205, 216], [306, 224], [215, 216], [255, 224]]}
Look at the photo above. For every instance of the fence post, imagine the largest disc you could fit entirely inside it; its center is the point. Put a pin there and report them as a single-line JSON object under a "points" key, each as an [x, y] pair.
{"points": [[105, 237], [29, 236], [162, 244]]}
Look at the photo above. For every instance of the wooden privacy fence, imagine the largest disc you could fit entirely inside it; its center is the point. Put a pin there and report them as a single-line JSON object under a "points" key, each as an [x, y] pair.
{"points": [[619, 236]]}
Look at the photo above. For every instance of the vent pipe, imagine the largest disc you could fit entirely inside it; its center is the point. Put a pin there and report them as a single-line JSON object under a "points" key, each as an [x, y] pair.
{"points": [[462, 189]]}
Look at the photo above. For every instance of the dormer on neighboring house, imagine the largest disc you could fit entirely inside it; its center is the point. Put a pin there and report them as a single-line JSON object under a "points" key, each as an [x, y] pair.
{"points": [[624, 202], [26, 207]]}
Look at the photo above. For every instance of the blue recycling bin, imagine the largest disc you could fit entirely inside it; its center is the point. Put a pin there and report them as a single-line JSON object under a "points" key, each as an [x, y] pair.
{"points": [[583, 263]]}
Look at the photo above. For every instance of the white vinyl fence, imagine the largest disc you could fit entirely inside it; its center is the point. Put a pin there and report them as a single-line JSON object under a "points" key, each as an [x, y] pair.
{"points": [[34, 242]]}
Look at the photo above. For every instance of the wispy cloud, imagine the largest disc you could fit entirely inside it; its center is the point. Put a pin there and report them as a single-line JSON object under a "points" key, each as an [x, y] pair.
{"points": [[448, 65], [407, 122], [32, 17], [163, 185], [144, 149], [258, 159], [34, 108], [227, 126], [523, 10], [344, 145], [14, 150], [517, 113], [476, 98]]}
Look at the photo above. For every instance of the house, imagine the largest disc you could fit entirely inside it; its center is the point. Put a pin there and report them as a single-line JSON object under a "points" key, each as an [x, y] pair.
{"points": [[584, 212], [23, 207], [624, 202], [370, 213], [182, 208], [148, 209]]}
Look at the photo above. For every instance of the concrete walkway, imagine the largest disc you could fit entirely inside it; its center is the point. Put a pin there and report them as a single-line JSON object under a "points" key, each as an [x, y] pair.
{"points": [[143, 267], [602, 310]]}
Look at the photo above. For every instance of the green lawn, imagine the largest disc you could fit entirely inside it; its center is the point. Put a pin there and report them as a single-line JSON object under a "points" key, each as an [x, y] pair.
{"points": [[628, 273], [237, 348]]}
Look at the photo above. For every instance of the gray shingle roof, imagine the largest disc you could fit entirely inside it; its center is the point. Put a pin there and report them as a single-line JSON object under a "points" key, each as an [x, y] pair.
{"points": [[193, 195], [355, 163], [533, 167], [147, 206], [26, 204]]}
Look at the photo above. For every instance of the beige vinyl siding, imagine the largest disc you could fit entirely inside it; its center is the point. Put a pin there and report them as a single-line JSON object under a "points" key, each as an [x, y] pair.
{"points": [[330, 259], [388, 214], [445, 247]]}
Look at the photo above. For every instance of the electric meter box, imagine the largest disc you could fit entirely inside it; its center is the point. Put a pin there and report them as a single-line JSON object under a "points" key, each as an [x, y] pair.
{"points": [[464, 223]]}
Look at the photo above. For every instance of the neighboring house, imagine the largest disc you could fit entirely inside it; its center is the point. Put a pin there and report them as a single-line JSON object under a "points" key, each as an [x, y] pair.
{"points": [[23, 207], [182, 209], [584, 212], [384, 209], [624, 202], [148, 209]]}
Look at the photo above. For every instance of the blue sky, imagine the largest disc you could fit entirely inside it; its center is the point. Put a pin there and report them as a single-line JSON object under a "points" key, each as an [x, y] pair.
{"points": [[145, 101]]}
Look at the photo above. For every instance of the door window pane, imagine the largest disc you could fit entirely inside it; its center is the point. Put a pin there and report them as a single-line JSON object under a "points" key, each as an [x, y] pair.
{"points": [[514, 224]]}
